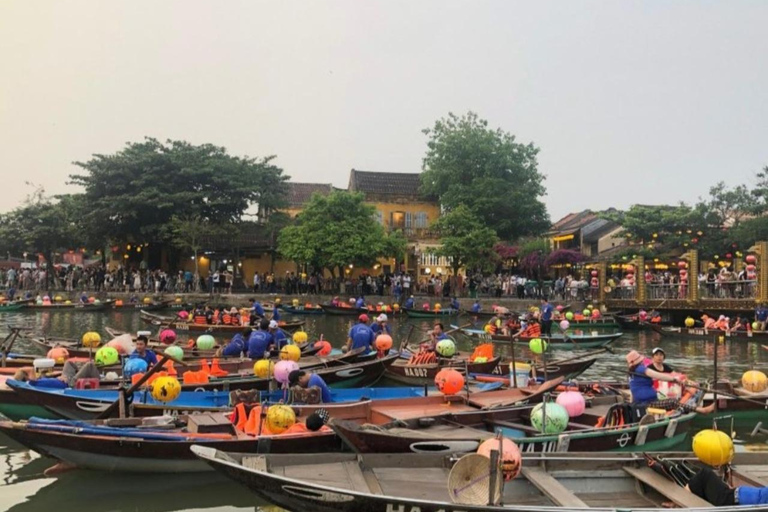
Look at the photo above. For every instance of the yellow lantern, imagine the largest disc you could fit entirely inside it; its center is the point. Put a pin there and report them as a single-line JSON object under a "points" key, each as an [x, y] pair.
{"points": [[754, 381], [300, 337], [166, 389], [689, 322], [280, 418], [264, 368], [713, 447], [290, 353], [91, 339]]}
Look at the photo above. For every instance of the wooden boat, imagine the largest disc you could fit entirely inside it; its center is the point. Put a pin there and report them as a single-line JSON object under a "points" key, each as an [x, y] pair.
{"points": [[74, 307], [7, 307], [152, 306], [470, 428], [701, 332], [182, 326], [424, 374], [155, 445], [343, 482], [633, 323], [423, 313], [568, 369], [344, 310], [303, 310], [742, 413], [570, 341], [88, 404]]}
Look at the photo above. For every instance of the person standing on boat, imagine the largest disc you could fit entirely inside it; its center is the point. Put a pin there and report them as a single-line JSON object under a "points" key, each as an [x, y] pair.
{"points": [[237, 345], [381, 326], [360, 302], [142, 352], [476, 307], [761, 316], [276, 311], [306, 380], [455, 305], [360, 335], [278, 335], [260, 341], [546, 317]]}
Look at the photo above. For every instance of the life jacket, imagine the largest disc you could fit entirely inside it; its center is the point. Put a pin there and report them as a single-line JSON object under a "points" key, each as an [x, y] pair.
{"points": [[656, 320], [424, 357], [484, 350], [216, 370], [200, 320], [216, 316], [532, 331], [710, 324], [198, 377], [226, 319], [492, 329]]}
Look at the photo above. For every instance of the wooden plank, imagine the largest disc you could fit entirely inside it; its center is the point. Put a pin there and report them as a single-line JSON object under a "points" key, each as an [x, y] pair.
{"points": [[355, 475], [257, 463], [373, 483], [671, 490], [552, 489]]}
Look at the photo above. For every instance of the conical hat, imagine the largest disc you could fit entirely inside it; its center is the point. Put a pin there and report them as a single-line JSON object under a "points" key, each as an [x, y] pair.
{"points": [[469, 480]]}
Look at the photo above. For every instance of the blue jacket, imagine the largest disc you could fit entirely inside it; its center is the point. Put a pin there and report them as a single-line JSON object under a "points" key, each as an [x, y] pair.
{"points": [[259, 343], [235, 347], [362, 336]]}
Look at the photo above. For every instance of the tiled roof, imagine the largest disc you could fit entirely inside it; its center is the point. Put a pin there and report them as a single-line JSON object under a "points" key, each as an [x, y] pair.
{"points": [[299, 194], [597, 229], [384, 183], [573, 221]]}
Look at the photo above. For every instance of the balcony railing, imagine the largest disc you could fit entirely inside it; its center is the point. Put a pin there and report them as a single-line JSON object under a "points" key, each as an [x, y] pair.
{"points": [[416, 233]]}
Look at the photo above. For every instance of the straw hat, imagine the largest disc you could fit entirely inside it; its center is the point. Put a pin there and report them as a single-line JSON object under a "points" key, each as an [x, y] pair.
{"points": [[634, 357], [470, 479]]}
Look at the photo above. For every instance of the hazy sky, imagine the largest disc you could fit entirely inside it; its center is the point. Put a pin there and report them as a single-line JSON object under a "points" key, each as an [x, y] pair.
{"points": [[648, 102]]}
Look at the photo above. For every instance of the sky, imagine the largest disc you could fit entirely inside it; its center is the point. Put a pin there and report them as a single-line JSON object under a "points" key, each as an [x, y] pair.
{"points": [[630, 102]]}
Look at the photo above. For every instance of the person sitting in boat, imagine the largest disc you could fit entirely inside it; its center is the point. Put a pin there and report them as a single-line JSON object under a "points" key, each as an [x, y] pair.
{"points": [[278, 335], [723, 323], [511, 324], [708, 486], [408, 303], [208, 313], [709, 322], [494, 325], [455, 304], [437, 334], [237, 345], [761, 316], [360, 302], [476, 307], [306, 380], [83, 298], [531, 330], [381, 326], [335, 301], [740, 324], [142, 352], [644, 394], [654, 317], [657, 361], [360, 335], [260, 342], [276, 312]]}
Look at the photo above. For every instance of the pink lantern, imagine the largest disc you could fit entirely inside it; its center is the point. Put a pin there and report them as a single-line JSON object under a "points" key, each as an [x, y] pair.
{"points": [[681, 264], [751, 268], [595, 313], [559, 307], [511, 458], [565, 324], [751, 259], [183, 315], [283, 369], [594, 273], [573, 402], [167, 337]]}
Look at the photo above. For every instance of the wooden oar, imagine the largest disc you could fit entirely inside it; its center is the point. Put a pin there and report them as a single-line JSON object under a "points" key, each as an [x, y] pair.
{"points": [[448, 332], [582, 356]]}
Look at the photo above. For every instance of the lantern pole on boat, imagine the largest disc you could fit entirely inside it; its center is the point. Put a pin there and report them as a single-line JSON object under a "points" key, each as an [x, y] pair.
{"points": [[714, 388], [514, 365]]}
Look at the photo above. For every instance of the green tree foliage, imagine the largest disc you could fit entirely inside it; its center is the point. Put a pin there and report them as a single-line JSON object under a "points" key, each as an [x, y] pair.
{"points": [[337, 230], [189, 233], [467, 163], [132, 195], [465, 240]]}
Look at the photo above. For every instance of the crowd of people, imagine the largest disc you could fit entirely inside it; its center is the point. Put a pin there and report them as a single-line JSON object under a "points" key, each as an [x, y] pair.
{"points": [[715, 284]]}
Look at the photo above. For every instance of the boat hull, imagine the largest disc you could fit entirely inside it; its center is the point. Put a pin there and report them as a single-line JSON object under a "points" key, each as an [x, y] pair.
{"points": [[415, 313], [424, 374], [709, 334]]}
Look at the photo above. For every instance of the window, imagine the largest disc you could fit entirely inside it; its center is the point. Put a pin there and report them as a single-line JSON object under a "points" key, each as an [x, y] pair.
{"points": [[421, 220], [397, 220], [378, 216]]}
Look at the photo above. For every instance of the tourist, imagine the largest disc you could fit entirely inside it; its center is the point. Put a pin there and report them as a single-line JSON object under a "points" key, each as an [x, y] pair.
{"points": [[306, 380], [360, 335], [546, 317], [761, 316], [708, 486], [260, 341], [237, 345], [657, 361], [142, 352], [532, 329], [381, 326], [278, 335]]}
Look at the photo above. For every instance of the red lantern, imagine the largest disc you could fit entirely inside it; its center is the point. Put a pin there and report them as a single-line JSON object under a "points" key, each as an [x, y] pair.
{"points": [[751, 268], [594, 273], [751, 259], [681, 264], [449, 381], [729, 255]]}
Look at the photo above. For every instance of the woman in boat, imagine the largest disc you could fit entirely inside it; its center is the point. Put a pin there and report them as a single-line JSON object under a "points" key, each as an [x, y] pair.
{"points": [[532, 330], [657, 361], [708, 486], [644, 394]]}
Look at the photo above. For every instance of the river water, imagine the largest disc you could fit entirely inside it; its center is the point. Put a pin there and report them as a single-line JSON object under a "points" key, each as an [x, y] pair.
{"points": [[25, 488]]}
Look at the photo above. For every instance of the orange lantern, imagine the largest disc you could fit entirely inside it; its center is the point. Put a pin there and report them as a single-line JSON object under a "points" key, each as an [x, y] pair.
{"points": [[449, 381]]}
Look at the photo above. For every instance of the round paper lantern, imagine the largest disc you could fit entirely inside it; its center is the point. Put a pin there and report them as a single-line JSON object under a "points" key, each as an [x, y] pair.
{"points": [[595, 313], [586, 312], [300, 337], [480, 360], [753, 380], [118, 303], [751, 259], [58, 354], [681, 265], [290, 353], [449, 381], [67, 301], [594, 273], [568, 315], [264, 368], [183, 315], [573, 402], [557, 418], [133, 366], [166, 389], [39, 302], [280, 418], [91, 339], [325, 347], [446, 347], [564, 325], [383, 342], [175, 351], [295, 303], [177, 300], [91, 300], [559, 307], [537, 345], [106, 356], [511, 458], [206, 342], [283, 369], [147, 300], [168, 336], [438, 307], [97, 301], [117, 345], [690, 322], [58, 298], [396, 306], [713, 447], [488, 329], [751, 268]]}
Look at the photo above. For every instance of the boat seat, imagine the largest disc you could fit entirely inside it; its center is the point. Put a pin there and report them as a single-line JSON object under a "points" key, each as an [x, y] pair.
{"points": [[552, 489], [508, 424], [669, 489]]}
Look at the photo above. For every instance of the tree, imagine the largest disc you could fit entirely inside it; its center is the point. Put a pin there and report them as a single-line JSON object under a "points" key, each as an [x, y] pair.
{"points": [[469, 164], [465, 240], [337, 230], [188, 233], [132, 195]]}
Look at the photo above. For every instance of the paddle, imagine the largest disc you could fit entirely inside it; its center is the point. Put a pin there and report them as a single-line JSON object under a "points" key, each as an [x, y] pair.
{"points": [[120, 402], [451, 331]]}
